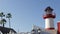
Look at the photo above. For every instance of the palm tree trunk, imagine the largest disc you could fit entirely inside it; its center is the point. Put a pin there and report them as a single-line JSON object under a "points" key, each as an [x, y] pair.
{"points": [[9, 23], [3, 24], [3, 27]]}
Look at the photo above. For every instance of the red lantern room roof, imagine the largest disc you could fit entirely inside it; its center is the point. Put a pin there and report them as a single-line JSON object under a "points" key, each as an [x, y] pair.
{"points": [[49, 8]]}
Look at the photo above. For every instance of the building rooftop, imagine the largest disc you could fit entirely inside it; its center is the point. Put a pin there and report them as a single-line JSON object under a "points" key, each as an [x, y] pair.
{"points": [[6, 30]]}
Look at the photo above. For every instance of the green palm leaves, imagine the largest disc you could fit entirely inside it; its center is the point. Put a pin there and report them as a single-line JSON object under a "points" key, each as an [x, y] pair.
{"points": [[9, 15], [2, 15], [2, 20]]}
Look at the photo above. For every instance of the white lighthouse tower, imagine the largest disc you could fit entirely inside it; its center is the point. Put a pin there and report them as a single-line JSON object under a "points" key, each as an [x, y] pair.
{"points": [[49, 18]]}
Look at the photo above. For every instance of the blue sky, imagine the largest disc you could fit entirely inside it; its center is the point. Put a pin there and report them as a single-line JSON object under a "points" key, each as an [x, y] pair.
{"points": [[25, 13]]}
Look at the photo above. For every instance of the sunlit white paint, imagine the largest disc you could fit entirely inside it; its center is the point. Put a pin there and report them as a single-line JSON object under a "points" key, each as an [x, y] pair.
{"points": [[49, 23]]}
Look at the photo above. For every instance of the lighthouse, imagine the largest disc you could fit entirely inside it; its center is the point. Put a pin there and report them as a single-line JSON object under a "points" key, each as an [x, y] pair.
{"points": [[49, 18]]}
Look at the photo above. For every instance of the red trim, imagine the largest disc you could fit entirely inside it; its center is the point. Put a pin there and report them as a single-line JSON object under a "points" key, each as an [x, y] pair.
{"points": [[58, 26], [48, 16], [50, 28]]}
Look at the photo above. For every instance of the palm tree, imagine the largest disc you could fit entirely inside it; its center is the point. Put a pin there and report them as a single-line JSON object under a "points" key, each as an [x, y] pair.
{"points": [[9, 16], [1, 15], [3, 21]]}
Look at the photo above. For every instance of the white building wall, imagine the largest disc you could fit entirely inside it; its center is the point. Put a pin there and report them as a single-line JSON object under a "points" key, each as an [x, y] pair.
{"points": [[50, 31], [49, 23]]}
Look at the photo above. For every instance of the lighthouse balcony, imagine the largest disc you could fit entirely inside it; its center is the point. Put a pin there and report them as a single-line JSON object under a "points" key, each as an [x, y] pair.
{"points": [[49, 16]]}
